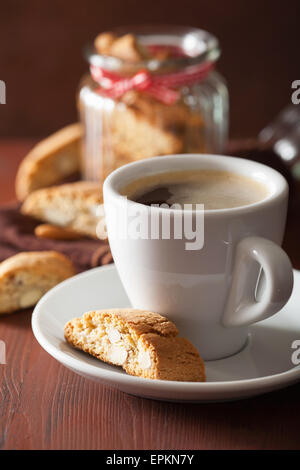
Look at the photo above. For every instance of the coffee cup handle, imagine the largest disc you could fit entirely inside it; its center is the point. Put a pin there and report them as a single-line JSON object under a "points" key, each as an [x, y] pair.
{"points": [[242, 308]]}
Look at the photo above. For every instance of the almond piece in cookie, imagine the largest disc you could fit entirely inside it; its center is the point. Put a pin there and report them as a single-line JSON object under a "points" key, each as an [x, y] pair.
{"points": [[51, 161], [26, 277], [72, 205], [144, 343]]}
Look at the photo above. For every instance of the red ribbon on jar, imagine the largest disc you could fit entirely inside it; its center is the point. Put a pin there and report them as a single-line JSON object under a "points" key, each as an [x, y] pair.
{"points": [[162, 87]]}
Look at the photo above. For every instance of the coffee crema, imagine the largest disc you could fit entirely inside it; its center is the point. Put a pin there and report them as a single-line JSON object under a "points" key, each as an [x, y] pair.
{"points": [[214, 188]]}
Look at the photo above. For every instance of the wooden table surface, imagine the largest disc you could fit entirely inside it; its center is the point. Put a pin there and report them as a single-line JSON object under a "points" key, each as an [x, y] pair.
{"points": [[45, 406]]}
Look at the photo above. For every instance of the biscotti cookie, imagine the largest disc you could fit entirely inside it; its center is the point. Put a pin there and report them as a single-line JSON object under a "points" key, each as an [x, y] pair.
{"points": [[72, 205], [25, 277], [135, 136], [51, 161], [125, 47], [144, 343], [52, 232], [142, 127]]}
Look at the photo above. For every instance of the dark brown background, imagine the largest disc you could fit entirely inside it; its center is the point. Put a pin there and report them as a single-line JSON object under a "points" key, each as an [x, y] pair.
{"points": [[41, 57]]}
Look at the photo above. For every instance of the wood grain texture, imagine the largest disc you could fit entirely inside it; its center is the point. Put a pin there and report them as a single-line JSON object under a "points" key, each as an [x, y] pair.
{"points": [[45, 406]]}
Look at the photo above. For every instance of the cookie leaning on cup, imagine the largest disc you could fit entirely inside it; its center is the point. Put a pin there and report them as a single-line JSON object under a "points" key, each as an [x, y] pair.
{"points": [[25, 277], [72, 205], [144, 343]]}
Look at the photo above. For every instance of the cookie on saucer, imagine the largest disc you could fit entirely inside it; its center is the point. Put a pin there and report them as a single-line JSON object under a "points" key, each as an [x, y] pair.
{"points": [[144, 343]]}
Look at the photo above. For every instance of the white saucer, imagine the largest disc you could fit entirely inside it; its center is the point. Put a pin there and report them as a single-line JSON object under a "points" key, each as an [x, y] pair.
{"points": [[262, 366]]}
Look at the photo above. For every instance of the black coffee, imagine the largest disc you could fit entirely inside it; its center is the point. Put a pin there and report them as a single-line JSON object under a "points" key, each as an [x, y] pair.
{"points": [[214, 189]]}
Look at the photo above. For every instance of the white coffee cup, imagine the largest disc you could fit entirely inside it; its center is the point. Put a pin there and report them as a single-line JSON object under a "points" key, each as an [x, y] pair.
{"points": [[211, 293]]}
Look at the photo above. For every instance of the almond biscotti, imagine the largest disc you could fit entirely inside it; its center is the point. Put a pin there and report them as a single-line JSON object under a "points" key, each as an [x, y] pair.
{"points": [[135, 135], [144, 343], [50, 161], [25, 277], [72, 205], [138, 125], [52, 232], [125, 47]]}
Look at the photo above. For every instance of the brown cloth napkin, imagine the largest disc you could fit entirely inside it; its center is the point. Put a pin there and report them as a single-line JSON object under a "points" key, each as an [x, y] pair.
{"points": [[17, 234], [17, 231]]}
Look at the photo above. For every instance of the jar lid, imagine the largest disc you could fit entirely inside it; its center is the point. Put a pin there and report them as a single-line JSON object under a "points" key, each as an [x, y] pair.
{"points": [[196, 46]]}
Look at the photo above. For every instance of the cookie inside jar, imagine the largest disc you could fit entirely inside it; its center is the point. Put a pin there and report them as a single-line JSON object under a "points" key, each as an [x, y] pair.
{"points": [[150, 92]]}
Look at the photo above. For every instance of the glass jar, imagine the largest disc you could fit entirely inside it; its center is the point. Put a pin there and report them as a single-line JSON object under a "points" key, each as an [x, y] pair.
{"points": [[173, 102]]}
